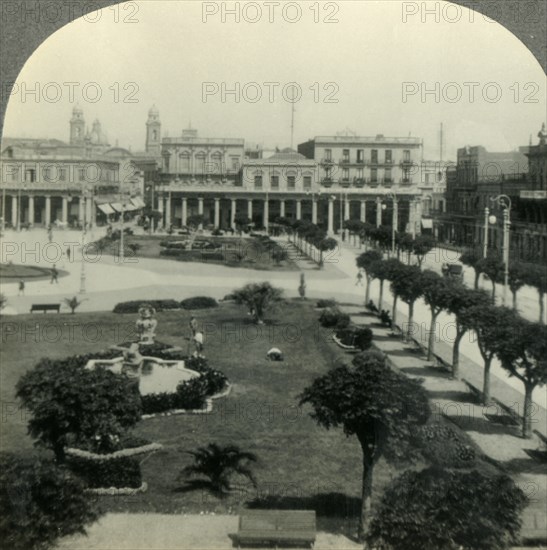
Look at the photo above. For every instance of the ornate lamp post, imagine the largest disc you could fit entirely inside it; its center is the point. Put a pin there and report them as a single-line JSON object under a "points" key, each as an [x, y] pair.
{"points": [[485, 242], [504, 202]]}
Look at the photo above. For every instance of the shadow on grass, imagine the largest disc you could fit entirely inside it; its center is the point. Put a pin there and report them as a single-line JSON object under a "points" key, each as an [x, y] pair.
{"points": [[483, 426], [525, 465], [458, 396], [426, 371], [336, 513]]}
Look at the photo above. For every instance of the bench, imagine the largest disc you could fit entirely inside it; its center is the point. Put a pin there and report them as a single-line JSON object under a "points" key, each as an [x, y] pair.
{"points": [[45, 307], [277, 527]]}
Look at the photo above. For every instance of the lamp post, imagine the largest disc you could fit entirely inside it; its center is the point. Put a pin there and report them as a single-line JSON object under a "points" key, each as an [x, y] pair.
{"points": [[87, 194], [394, 219], [504, 202], [18, 226], [485, 242]]}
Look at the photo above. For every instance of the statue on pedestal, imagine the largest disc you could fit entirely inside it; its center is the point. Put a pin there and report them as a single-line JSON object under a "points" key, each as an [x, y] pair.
{"points": [[146, 324]]}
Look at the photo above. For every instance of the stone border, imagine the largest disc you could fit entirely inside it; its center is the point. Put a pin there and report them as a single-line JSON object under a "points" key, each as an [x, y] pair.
{"points": [[123, 453], [343, 346], [116, 491]]}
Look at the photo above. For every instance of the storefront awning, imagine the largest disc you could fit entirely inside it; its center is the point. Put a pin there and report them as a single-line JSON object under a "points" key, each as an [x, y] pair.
{"points": [[138, 202], [427, 224], [106, 208]]}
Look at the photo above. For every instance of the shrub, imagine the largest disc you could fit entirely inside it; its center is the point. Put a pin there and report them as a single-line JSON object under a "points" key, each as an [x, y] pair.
{"points": [[444, 446], [360, 337], [134, 305], [110, 472], [437, 509], [199, 302], [39, 503], [326, 302], [333, 317]]}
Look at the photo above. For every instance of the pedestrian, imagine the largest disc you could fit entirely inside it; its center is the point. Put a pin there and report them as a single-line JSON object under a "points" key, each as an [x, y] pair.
{"points": [[50, 233], [359, 281], [193, 326], [21, 288], [198, 343], [68, 253], [54, 275]]}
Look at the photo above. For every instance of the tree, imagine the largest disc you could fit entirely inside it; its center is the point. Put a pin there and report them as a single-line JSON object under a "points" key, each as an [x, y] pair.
{"points": [[393, 268], [472, 259], [492, 325], [404, 242], [72, 405], [364, 261], [422, 246], [219, 464], [258, 297], [493, 268], [536, 276], [523, 353], [437, 509], [39, 503], [517, 279], [3, 301], [380, 407], [324, 244], [73, 303], [379, 270], [409, 288], [459, 300], [435, 294]]}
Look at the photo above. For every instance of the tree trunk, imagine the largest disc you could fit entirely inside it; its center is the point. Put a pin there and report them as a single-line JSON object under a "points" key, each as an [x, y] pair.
{"points": [[527, 416], [541, 308], [394, 311], [381, 297], [514, 299], [410, 328], [366, 491], [431, 343], [477, 275], [456, 355], [367, 291], [493, 291], [486, 381]]}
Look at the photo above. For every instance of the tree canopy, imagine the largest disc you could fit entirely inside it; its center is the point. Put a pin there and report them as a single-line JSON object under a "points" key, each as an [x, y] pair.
{"points": [[258, 297]]}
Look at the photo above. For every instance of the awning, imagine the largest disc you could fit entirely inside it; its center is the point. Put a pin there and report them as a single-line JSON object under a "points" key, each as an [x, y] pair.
{"points": [[427, 224], [119, 207], [106, 208], [138, 202]]}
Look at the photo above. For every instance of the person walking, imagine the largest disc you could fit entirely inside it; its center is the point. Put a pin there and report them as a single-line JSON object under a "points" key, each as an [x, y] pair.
{"points": [[193, 325], [54, 275], [359, 281], [21, 288], [68, 253]]}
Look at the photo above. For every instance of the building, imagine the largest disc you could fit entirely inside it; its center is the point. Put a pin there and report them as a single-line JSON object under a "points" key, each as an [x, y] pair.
{"points": [[85, 180], [477, 178]]}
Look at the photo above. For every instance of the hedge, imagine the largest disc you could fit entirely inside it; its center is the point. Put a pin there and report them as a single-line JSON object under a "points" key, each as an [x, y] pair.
{"points": [[333, 317], [360, 337], [114, 472], [199, 302], [134, 305], [330, 302], [193, 255]]}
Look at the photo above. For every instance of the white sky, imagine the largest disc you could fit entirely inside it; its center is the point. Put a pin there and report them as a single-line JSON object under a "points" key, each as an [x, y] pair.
{"points": [[169, 52]]}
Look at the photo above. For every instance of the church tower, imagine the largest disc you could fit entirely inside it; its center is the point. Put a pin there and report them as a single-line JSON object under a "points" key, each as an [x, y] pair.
{"points": [[153, 132], [77, 126]]}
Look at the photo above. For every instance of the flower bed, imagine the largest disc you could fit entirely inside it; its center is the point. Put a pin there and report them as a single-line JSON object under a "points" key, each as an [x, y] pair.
{"points": [[134, 305]]}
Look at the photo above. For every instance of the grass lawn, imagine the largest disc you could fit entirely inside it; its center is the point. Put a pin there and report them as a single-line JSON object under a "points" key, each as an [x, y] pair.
{"points": [[14, 271], [246, 252], [300, 464]]}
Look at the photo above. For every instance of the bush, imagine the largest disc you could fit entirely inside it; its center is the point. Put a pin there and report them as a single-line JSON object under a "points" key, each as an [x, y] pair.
{"points": [[360, 337], [437, 509], [330, 302], [110, 472], [199, 302], [444, 446], [333, 317], [40, 503], [134, 305]]}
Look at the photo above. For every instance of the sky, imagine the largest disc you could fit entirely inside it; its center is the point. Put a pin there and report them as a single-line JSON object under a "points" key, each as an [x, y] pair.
{"points": [[362, 68]]}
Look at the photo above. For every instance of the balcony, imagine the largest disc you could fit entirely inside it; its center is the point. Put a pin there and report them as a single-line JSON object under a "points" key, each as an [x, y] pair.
{"points": [[359, 182], [327, 182], [344, 160], [345, 182], [360, 161], [326, 162], [388, 182], [406, 162]]}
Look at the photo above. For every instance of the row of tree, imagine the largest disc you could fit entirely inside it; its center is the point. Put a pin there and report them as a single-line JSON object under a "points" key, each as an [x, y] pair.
{"points": [[520, 274], [519, 345]]}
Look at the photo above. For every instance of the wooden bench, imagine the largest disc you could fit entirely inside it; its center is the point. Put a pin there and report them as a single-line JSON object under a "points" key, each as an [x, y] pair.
{"points": [[277, 527], [45, 307]]}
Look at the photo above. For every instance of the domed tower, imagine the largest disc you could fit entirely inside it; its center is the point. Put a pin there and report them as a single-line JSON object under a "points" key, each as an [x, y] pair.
{"points": [[153, 132], [77, 126]]}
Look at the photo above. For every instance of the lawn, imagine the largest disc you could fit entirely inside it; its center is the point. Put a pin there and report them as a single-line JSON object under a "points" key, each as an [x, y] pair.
{"points": [[246, 252], [15, 271], [300, 465]]}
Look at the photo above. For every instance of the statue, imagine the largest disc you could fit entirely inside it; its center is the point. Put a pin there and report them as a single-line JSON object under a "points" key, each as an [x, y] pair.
{"points": [[146, 325], [132, 361]]}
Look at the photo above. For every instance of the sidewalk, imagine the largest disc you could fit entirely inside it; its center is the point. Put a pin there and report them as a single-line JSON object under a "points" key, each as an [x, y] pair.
{"points": [[452, 399]]}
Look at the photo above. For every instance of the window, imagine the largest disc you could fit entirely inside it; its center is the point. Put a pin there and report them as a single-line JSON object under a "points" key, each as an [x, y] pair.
{"points": [[345, 174], [291, 182], [406, 178], [81, 174], [345, 155], [184, 162], [274, 182], [360, 156], [30, 175], [389, 156], [258, 182], [360, 175], [374, 175], [374, 156], [406, 155], [427, 178], [387, 176], [307, 182], [62, 174], [235, 164], [328, 154]]}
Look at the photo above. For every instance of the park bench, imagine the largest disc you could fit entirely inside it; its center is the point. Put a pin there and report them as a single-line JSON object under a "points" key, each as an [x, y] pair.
{"points": [[45, 307], [277, 527]]}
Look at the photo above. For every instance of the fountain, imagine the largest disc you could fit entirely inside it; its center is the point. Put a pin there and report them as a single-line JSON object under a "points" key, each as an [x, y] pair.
{"points": [[146, 324]]}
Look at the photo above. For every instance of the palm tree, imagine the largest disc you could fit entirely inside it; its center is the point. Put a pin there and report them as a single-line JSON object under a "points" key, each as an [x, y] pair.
{"points": [[218, 464], [258, 297], [73, 303]]}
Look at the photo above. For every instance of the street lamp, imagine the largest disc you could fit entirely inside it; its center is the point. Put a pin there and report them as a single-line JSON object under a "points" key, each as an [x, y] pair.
{"points": [[504, 202], [485, 241], [394, 219]]}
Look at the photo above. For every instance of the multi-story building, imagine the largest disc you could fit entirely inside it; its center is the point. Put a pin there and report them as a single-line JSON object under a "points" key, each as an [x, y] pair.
{"points": [[480, 176]]}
